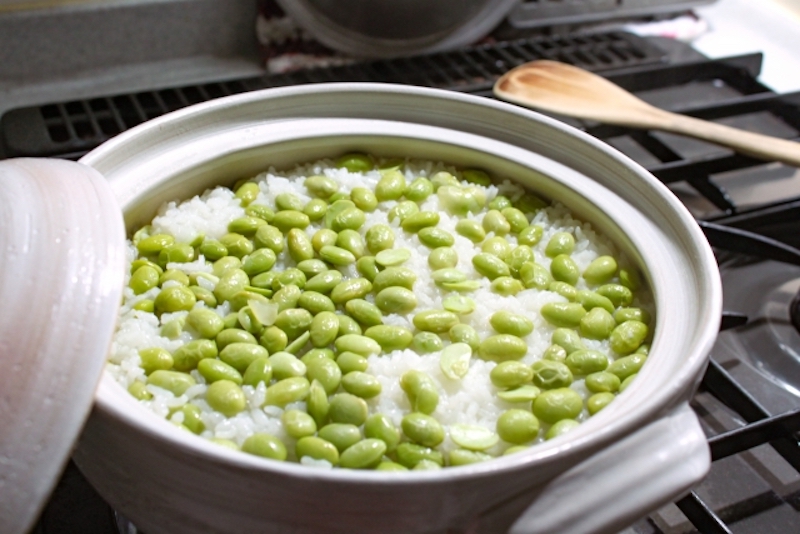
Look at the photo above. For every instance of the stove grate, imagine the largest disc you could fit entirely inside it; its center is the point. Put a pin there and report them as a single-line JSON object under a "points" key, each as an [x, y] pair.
{"points": [[70, 129]]}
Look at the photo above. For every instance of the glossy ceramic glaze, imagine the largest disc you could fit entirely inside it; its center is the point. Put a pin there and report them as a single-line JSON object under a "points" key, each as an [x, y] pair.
{"points": [[640, 452], [61, 257]]}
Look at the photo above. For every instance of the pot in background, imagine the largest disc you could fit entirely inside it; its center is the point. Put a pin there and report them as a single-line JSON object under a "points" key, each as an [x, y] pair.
{"points": [[640, 452]]}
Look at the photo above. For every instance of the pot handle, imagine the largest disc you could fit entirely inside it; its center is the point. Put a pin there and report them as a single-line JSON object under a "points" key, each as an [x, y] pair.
{"points": [[623, 482]]}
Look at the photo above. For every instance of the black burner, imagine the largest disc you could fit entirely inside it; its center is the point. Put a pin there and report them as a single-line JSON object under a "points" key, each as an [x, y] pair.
{"points": [[794, 311]]}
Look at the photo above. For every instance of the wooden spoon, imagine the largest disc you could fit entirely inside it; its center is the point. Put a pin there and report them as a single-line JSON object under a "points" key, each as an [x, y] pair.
{"points": [[571, 91]]}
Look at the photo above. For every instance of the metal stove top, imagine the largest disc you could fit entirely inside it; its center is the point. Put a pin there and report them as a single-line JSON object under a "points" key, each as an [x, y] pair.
{"points": [[748, 401]]}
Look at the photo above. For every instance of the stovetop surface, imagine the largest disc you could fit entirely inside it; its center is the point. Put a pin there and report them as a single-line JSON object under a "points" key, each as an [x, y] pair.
{"points": [[748, 401]]}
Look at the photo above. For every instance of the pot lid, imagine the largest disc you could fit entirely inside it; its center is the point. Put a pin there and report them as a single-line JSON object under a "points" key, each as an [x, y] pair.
{"points": [[366, 28], [61, 273]]}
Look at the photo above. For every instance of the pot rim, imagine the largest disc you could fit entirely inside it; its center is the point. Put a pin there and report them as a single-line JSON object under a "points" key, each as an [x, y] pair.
{"points": [[150, 135]]}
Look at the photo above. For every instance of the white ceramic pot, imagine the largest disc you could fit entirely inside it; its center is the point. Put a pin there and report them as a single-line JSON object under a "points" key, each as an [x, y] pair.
{"points": [[640, 452]]}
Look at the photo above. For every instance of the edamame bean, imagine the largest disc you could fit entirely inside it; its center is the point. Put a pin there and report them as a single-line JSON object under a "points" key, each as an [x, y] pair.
{"points": [[598, 401], [563, 314], [423, 429], [348, 219], [548, 374], [471, 229], [174, 275], [287, 391], [187, 356], [490, 266], [238, 245], [288, 219], [286, 365], [505, 322], [324, 328], [226, 397], [417, 221], [560, 243], [459, 304], [379, 237], [317, 448], [564, 269], [350, 361], [205, 322], [560, 427], [214, 370], [554, 405], [317, 403], [258, 371], [436, 321], [418, 190], [359, 344], [392, 257], [341, 435], [173, 299], [590, 300], [348, 325], [502, 347], [473, 437], [202, 295], [510, 374], [299, 245], [174, 381], [315, 209], [597, 324], [321, 186], [627, 365], [517, 426], [324, 282], [494, 221], [230, 283], [368, 267], [347, 408], [298, 424], [364, 199], [516, 219], [525, 393], [568, 339], [627, 314], [600, 270], [353, 288], [192, 419], [144, 279], [155, 358], [360, 384], [390, 337], [402, 210], [464, 333], [602, 381], [365, 454], [397, 300], [365, 312], [288, 201], [394, 277], [247, 193], [315, 302], [421, 391], [294, 321], [266, 446], [261, 211], [326, 372], [241, 355], [269, 237], [443, 257], [585, 362], [534, 276], [426, 342], [286, 297], [531, 235], [391, 186], [246, 225], [323, 237], [379, 426], [518, 257], [626, 337], [433, 237], [154, 244], [411, 454], [288, 277]]}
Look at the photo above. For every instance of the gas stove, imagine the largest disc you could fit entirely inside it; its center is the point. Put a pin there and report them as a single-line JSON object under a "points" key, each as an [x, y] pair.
{"points": [[749, 400]]}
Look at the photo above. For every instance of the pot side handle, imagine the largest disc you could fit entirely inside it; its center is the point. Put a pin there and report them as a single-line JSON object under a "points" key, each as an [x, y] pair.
{"points": [[623, 482]]}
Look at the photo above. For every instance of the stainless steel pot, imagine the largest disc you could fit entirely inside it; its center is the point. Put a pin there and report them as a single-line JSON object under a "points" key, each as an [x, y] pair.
{"points": [[637, 454]]}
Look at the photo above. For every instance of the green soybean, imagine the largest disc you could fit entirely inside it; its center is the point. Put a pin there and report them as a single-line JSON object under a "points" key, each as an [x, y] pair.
{"points": [[490, 265], [419, 189], [390, 337], [442, 257], [628, 336], [347, 408], [423, 429], [600, 270], [317, 448], [321, 186], [365, 454], [560, 243], [394, 277], [315, 209], [226, 397], [187, 356], [568, 339], [379, 237], [502, 347], [258, 371], [421, 391], [173, 381], [241, 355], [586, 362], [379, 426], [564, 269], [286, 365], [360, 384], [598, 401], [364, 199], [353, 288], [563, 314], [597, 324], [155, 358], [350, 361], [517, 426], [298, 424], [627, 365], [554, 405], [324, 282], [510, 374], [212, 250], [214, 370], [396, 299], [411, 454], [391, 186], [602, 381], [359, 344], [365, 312], [266, 446], [287, 391], [549, 374], [173, 299], [560, 427], [505, 322], [436, 321], [426, 342], [341, 435]]}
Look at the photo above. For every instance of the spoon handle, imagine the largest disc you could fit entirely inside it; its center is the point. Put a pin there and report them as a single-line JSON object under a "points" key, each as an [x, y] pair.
{"points": [[752, 144]]}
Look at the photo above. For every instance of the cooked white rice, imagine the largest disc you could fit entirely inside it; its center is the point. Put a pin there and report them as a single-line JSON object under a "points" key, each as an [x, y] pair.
{"points": [[472, 400]]}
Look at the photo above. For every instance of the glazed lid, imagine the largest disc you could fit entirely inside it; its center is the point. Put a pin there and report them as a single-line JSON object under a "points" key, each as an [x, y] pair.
{"points": [[369, 28], [62, 257]]}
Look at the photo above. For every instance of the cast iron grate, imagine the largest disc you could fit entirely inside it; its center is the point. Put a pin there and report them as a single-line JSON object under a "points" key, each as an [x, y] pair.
{"points": [[72, 128]]}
